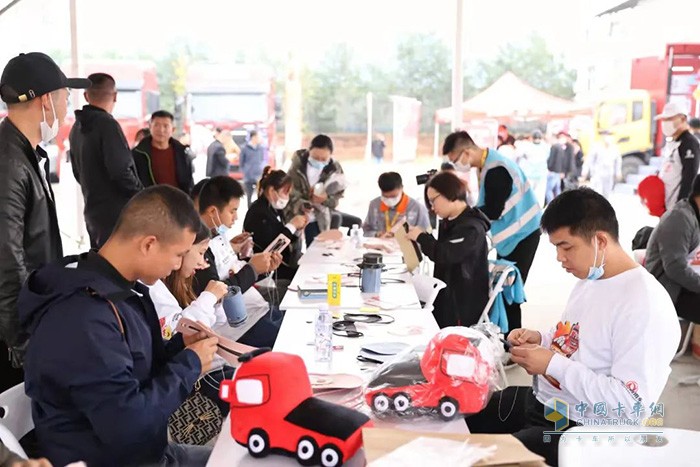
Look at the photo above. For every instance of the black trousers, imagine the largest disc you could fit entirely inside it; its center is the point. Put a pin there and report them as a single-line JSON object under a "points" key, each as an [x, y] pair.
{"points": [[9, 376], [522, 256], [688, 306], [516, 411]]}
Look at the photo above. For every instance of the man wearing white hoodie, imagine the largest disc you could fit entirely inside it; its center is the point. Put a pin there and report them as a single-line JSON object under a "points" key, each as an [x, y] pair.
{"points": [[610, 354]]}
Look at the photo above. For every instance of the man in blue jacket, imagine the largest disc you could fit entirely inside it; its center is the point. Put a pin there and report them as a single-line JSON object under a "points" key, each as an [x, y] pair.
{"points": [[102, 381]]}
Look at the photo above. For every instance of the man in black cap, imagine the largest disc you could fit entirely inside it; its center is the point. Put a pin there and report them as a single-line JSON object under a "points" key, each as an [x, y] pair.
{"points": [[35, 91], [101, 160]]}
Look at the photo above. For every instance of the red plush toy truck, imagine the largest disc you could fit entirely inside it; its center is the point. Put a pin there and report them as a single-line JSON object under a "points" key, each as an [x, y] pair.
{"points": [[273, 411], [455, 375]]}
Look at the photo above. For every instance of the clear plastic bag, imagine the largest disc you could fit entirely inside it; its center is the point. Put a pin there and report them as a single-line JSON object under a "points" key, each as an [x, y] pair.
{"points": [[455, 374]]}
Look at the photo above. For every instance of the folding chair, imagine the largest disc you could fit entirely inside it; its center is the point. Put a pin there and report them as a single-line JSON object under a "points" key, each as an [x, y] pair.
{"points": [[499, 277], [15, 418]]}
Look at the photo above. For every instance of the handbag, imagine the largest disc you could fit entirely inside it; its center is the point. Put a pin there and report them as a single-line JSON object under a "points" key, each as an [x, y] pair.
{"points": [[198, 420]]}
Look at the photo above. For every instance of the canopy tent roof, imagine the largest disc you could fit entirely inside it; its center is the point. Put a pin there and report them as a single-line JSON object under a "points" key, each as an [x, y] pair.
{"points": [[510, 98]]}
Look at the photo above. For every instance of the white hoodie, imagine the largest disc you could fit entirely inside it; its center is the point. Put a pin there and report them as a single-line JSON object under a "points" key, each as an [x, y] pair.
{"points": [[614, 345], [203, 309]]}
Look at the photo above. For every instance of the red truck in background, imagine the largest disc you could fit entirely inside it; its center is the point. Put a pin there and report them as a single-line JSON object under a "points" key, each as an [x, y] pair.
{"points": [[138, 96], [236, 98], [675, 77]]}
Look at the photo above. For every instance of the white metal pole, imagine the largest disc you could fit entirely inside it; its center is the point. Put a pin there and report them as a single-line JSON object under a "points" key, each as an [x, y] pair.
{"points": [[457, 72], [75, 97], [370, 104], [436, 141]]}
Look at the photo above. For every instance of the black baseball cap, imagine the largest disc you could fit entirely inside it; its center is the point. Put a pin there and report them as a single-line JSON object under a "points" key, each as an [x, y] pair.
{"points": [[32, 75]]}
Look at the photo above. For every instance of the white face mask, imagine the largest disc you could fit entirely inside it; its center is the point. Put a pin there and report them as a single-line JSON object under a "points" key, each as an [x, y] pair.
{"points": [[281, 203], [459, 167], [391, 202], [668, 128], [48, 133]]}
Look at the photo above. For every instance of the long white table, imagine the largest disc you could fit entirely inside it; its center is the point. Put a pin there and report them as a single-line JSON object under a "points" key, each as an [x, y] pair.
{"points": [[396, 292], [344, 252], [411, 325]]}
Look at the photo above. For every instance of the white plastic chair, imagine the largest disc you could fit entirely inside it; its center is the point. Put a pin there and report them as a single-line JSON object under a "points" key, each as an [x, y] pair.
{"points": [[427, 289], [16, 420], [499, 277]]}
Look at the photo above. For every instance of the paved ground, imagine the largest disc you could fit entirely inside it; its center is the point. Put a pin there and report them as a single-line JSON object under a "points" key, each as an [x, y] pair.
{"points": [[548, 285]]}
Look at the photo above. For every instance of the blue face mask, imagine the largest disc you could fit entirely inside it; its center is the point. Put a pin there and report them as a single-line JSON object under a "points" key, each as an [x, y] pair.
{"points": [[316, 164], [596, 272]]}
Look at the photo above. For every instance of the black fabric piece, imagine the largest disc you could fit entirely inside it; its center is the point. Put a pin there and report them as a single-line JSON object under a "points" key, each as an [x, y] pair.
{"points": [[641, 238], [399, 373], [498, 185], [326, 418]]}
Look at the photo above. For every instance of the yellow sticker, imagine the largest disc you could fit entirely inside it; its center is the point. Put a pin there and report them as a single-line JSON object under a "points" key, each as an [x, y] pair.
{"points": [[334, 281]]}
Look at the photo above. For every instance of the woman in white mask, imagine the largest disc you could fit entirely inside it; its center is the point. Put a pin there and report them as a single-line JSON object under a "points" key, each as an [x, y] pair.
{"points": [[265, 220]]}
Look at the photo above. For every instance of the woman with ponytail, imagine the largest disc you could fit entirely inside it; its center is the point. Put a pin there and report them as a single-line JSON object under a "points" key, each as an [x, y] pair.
{"points": [[265, 220]]}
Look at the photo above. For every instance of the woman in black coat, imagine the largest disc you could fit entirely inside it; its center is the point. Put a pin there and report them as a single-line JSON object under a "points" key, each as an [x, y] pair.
{"points": [[460, 253], [265, 220]]}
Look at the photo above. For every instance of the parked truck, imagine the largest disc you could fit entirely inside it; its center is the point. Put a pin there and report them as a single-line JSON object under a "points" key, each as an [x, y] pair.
{"points": [[236, 98], [654, 81]]}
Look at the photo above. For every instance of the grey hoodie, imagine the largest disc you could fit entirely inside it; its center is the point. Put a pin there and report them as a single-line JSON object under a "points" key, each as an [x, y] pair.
{"points": [[676, 237]]}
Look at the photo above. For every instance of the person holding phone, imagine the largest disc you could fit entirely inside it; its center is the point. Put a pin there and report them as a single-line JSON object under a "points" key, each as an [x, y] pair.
{"points": [[460, 252], [266, 220]]}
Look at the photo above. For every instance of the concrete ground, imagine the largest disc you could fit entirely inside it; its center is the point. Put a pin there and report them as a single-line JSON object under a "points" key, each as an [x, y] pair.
{"points": [[547, 289]]}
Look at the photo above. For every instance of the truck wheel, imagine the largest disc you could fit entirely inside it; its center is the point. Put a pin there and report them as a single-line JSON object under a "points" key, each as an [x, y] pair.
{"points": [[258, 443], [331, 456], [402, 402], [381, 403], [449, 408], [307, 451]]}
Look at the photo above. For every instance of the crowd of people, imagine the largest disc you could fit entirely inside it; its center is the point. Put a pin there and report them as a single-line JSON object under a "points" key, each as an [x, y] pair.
{"points": [[94, 336]]}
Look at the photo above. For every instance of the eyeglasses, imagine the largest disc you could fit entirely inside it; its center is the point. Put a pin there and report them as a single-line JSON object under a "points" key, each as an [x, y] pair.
{"points": [[432, 200]]}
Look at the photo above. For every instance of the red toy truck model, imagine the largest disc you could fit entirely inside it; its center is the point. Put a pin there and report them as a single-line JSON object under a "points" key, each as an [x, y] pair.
{"points": [[273, 410], [454, 375]]}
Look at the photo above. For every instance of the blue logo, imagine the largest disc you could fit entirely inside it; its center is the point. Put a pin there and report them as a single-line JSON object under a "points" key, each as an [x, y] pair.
{"points": [[557, 411]]}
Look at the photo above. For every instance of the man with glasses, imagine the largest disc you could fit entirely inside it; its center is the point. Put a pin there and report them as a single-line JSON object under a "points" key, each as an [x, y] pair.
{"points": [[507, 199]]}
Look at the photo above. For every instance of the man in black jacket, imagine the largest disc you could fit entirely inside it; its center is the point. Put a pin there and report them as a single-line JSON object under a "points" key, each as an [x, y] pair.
{"points": [[561, 164], [101, 160], [217, 162], [34, 88], [161, 159]]}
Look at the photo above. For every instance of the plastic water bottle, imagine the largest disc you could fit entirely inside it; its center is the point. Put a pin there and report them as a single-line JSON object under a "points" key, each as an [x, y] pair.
{"points": [[324, 334], [356, 236]]}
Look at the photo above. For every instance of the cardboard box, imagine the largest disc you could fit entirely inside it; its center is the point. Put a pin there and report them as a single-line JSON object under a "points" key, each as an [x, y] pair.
{"points": [[510, 452]]}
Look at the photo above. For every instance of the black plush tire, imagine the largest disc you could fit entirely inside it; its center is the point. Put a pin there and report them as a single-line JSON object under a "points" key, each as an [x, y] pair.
{"points": [[448, 408], [331, 456], [307, 451], [258, 443]]}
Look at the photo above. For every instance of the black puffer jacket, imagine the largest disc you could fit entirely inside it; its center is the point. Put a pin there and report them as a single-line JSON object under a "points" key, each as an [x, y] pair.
{"points": [[103, 166], [183, 164], [461, 261], [29, 235]]}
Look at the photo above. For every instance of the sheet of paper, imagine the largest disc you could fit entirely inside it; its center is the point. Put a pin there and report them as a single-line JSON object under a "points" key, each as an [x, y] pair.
{"points": [[408, 250], [434, 451]]}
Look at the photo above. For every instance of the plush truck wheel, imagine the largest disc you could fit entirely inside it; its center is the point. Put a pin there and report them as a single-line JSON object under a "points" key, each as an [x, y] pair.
{"points": [[381, 403], [402, 402], [307, 451], [258, 443], [448, 408], [331, 456]]}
